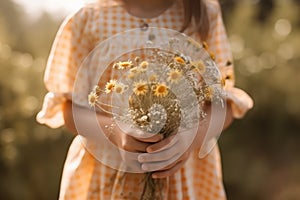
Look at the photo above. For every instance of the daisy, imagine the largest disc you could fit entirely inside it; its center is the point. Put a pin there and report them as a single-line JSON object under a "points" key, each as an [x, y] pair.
{"points": [[120, 88], [174, 76], [153, 78], [161, 90], [199, 66], [133, 72], [109, 87], [124, 65], [93, 99], [140, 88], [144, 65]]}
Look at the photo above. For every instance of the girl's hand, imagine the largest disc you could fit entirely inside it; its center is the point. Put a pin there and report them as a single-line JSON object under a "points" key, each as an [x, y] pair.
{"points": [[172, 168], [166, 157]]}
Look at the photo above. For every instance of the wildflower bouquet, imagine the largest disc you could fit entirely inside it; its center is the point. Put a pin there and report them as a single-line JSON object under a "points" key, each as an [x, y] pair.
{"points": [[160, 90]]}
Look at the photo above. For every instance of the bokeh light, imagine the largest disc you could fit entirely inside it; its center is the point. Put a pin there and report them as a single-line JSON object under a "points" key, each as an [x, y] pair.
{"points": [[283, 27]]}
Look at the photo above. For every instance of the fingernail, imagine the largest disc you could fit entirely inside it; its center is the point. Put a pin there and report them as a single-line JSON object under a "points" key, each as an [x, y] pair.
{"points": [[144, 167], [140, 158], [149, 150]]}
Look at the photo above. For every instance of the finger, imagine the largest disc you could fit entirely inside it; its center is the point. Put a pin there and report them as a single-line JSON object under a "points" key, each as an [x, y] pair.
{"points": [[160, 156], [164, 144], [184, 157], [129, 156], [139, 146], [129, 143], [169, 172], [147, 137], [154, 166]]}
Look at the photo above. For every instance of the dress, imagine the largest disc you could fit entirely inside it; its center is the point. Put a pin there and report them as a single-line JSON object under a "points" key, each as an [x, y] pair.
{"points": [[83, 176]]}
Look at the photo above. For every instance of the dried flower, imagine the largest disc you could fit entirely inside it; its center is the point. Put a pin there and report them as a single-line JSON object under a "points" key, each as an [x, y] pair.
{"points": [[161, 90], [97, 90], [179, 60], [137, 59], [208, 93], [144, 65], [174, 76], [120, 88], [124, 65], [140, 88], [153, 78], [131, 75], [93, 98], [134, 70], [205, 46], [199, 66], [109, 87]]}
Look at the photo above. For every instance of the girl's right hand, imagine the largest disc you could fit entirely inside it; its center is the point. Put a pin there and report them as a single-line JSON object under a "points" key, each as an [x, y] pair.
{"points": [[129, 140]]}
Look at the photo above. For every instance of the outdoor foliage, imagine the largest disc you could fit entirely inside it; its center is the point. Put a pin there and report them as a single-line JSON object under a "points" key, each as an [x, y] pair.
{"points": [[259, 152]]}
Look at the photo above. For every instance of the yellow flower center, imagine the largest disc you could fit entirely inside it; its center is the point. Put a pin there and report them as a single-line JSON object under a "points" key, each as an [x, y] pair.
{"points": [[174, 75], [144, 65], [161, 90], [124, 65], [179, 60], [119, 89], [110, 86], [140, 88], [153, 78]]}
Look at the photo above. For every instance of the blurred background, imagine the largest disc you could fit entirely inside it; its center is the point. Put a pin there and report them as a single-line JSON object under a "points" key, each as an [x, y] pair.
{"points": [[260, 152]]}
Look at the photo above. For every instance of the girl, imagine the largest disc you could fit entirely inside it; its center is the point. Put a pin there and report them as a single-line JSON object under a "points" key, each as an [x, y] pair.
{"points": [[84, 177]]}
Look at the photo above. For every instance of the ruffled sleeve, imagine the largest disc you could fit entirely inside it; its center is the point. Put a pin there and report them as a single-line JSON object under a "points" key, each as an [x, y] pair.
{"points": [[70, 47], [219, 46]]}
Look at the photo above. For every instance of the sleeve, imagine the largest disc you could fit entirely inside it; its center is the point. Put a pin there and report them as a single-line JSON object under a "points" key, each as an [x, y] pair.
{"points": [[70, 47], [219, 46]]}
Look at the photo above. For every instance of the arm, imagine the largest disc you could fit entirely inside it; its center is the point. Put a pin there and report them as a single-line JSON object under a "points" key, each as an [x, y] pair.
{"points": [[86, 119], [218, 120]]}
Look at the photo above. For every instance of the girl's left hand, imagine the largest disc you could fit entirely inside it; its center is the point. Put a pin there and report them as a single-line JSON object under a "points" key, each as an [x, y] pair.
{"points": [[169, 155]]}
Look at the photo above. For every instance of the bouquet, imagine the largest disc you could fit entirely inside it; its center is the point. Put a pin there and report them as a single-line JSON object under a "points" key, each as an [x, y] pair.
{"points": [[157, 92]]}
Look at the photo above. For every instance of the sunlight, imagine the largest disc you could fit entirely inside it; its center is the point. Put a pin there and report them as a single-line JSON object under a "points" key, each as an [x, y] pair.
{"points": [[61, 7]]}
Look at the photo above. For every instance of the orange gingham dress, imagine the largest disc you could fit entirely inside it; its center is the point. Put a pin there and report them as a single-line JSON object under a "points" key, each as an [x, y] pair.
{"points": [[83, 176]]}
